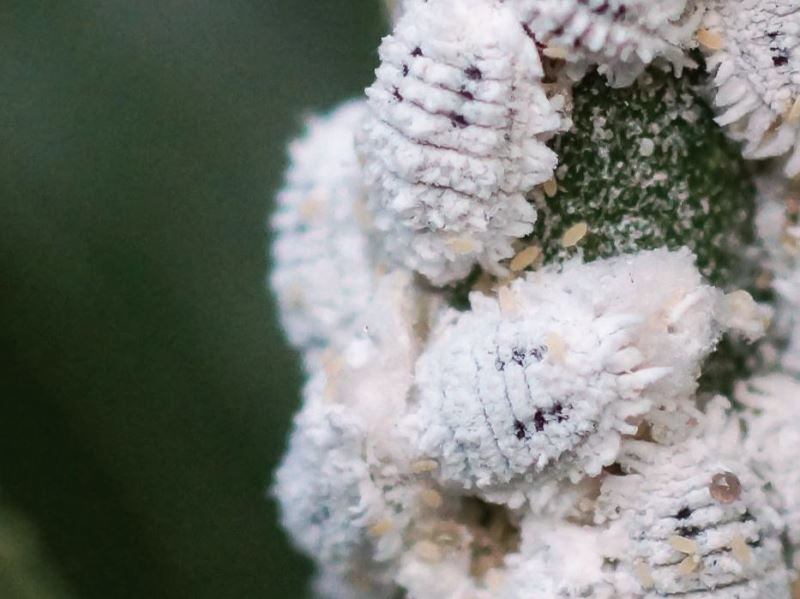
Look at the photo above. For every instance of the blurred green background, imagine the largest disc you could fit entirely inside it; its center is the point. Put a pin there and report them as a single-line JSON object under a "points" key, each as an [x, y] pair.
{"points": [[146, 389]]}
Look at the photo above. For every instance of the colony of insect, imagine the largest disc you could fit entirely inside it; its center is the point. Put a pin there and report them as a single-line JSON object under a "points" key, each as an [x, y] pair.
{"points": [[482, 421]]}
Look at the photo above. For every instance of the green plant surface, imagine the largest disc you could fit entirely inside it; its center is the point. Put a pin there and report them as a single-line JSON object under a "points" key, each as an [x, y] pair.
{"points": [[646, 167]]}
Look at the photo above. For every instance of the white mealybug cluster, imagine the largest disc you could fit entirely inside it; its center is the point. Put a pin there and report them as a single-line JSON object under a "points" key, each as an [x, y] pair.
{"points": [[346, 488], [321, 273], [772, 411], [455, 137], [483, 422], [553, 372], [754, 49], [692, 520], [345, 504], [620, 36]]}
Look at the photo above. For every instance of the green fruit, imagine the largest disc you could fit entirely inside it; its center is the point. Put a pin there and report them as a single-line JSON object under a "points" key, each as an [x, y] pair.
{"points": [[646, 167]]}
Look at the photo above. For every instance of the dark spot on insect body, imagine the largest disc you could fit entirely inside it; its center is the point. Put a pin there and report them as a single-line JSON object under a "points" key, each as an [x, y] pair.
{"points": [[558, 410], [755, 544], [688, 531], [405, 70], [458, 120], [519, 430], [684, 513], [518, 355], [746, 517], [772, 34], [473, 73], [416, 52], [620, 13], [538, 421], [499, 364], [780, 60], [601, 10], [465, 94], [397, 95]]}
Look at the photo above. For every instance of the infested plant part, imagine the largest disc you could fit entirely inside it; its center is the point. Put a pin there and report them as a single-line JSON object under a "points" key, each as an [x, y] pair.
{"points": [[455, 137], [332, 498], [686, 535], [321, 274], [549, 380], [522, 249]]}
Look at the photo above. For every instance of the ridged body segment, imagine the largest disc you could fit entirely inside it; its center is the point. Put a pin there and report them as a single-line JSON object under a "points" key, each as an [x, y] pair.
{"points": [[693, 522], [321, 270], [548, 377], [455, 137], [755, 64], [621, 37]]}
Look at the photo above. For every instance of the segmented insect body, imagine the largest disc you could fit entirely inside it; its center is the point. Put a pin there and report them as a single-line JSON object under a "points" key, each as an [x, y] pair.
{"points": [[333, 499], [754, 53], [621, 36], [693, 522], [772, 442], [348, 487], [455, 137], [545, 379], [321, 273]]}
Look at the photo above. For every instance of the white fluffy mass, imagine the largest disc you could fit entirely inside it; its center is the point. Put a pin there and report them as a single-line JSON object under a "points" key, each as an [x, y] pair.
{"points": [[325, 486], [346, 491], [621, 37], [772, 443], [549, 375], [550, 437], [754, 49], [321, 271], [455, 137], [692, 518]]}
